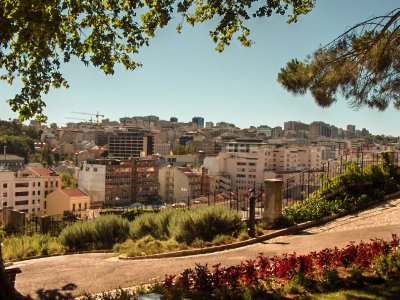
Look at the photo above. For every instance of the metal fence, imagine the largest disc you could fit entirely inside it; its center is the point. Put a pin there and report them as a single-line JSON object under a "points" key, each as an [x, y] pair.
{"points": [[300, 186], [51, 225]]}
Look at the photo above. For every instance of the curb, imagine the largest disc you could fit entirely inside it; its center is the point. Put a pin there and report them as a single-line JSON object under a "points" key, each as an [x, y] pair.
{"points": [[277, 233], [58, 254]]}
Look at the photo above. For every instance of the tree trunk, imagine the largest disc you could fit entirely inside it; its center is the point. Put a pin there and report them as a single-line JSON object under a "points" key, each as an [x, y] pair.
{"points": [[7, 290]]}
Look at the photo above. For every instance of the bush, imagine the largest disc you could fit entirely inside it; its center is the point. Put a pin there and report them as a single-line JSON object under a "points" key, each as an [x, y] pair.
{"points": [[386, 266], [146, 246], [154, 224], [101, 233], [18, 247], [185, 226], [344, 192], [205, 223]]}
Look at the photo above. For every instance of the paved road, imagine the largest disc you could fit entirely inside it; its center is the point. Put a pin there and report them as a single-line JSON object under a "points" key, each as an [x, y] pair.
{"points": [[95, 273]]}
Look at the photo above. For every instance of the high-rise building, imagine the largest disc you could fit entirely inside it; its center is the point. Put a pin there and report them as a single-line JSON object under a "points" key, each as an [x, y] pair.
{"points": [[198, 122], [128, 143], [318, 129]]}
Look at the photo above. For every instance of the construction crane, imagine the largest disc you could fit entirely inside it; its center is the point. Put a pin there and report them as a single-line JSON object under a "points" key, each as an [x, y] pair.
{"points": [[85, 120], [97, 115]]}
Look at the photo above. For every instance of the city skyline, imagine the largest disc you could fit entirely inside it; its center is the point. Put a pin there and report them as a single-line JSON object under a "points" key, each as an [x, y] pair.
{"points": [[183, 76]]}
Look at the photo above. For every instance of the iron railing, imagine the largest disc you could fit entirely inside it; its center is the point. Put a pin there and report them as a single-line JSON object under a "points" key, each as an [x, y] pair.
{"points": [[300, 186]]}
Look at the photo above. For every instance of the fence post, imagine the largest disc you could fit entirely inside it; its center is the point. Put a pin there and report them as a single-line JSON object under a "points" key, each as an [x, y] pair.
{"points": [[273, 201], [252, 212], [230, 198], [188, 204], [44, 224], [237, 199]]}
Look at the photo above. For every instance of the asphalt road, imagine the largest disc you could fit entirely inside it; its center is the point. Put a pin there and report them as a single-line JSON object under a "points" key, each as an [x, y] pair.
{"points": [[48, 278]]}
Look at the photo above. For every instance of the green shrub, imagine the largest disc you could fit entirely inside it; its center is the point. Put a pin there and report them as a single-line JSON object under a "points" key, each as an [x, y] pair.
{"points": [[344, 192], [205, 223], [101, 233], [154, 224], [356, 275], [17, 247], [185, 226], [330, 279], [387, 266]]}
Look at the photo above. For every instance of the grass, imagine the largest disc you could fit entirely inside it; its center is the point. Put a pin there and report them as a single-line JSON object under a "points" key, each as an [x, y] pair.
{"points": [[17, 247]]}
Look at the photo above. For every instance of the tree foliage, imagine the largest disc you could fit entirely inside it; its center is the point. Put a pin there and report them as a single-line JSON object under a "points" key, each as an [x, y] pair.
{"points": [[44, 156], [363, 65], [183, 150], [18, 145], [37, 36], [68, 181]]}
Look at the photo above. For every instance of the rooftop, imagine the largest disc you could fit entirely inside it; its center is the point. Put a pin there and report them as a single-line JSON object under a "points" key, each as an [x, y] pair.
{"points": [[75, 192]]}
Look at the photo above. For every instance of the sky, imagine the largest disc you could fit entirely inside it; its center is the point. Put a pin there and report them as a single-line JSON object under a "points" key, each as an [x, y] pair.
{"points": [[183, 76]]}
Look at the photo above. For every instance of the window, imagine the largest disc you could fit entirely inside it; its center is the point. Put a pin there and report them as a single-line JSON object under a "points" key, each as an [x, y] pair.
{"points": [[80, 206], [33, 184], [51, 184], [94, 169], [33, 193], [38, 184], [240, 163], [85, 206], [45, 204], [4, 203], [252, 164], [241, 175], [22, 202], [56, 183], [4, 194], [4, 185], [38, 192], [19, 194], [73, 207], [46, 184], [33, 201], [22, 184]]}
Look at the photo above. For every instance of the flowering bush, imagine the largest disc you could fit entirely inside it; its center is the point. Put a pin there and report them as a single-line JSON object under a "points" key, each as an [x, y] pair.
{"points": [[203, 282]]}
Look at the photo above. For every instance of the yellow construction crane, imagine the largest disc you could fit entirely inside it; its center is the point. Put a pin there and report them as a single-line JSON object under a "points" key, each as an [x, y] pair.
{"points": [[97, 115]]}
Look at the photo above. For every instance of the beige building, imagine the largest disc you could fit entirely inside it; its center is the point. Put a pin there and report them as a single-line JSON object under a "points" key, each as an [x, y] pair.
{"points": [[25, 190], [74, 200], [246, 169], [177, 184]]}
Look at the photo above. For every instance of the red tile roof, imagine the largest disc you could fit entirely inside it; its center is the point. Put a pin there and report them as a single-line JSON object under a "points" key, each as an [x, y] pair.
{"points": [[44, 171], [74, 192]]}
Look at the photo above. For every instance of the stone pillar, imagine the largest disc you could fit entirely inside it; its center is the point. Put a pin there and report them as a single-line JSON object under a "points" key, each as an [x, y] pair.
{"points": [[273, 201]]}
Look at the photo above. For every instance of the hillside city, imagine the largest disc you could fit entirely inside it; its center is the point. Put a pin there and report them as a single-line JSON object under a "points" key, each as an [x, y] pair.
{"points": [[143, 160]]}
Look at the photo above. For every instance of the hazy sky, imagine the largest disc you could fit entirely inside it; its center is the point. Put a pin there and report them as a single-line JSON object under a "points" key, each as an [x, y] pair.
{"points": [[183, 76]]}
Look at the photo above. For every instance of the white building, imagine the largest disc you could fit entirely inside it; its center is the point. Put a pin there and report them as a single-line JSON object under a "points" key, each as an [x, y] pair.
{"points": [[247, 169], [177, 184], [92, 180], [25, 190]]}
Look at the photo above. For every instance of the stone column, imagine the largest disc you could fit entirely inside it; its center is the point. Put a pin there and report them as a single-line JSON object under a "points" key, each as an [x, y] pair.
{"points": [[273, 201]]}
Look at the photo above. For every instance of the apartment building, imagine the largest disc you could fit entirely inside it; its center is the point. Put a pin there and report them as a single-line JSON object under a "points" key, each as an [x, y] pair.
{"points": [[27, 189], [249, 168], [130, 142], [178, 184], [243, 145], [111, 182]]}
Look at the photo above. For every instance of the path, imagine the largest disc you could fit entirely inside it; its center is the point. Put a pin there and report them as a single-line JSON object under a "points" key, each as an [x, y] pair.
{"points": [[95, 273]]}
